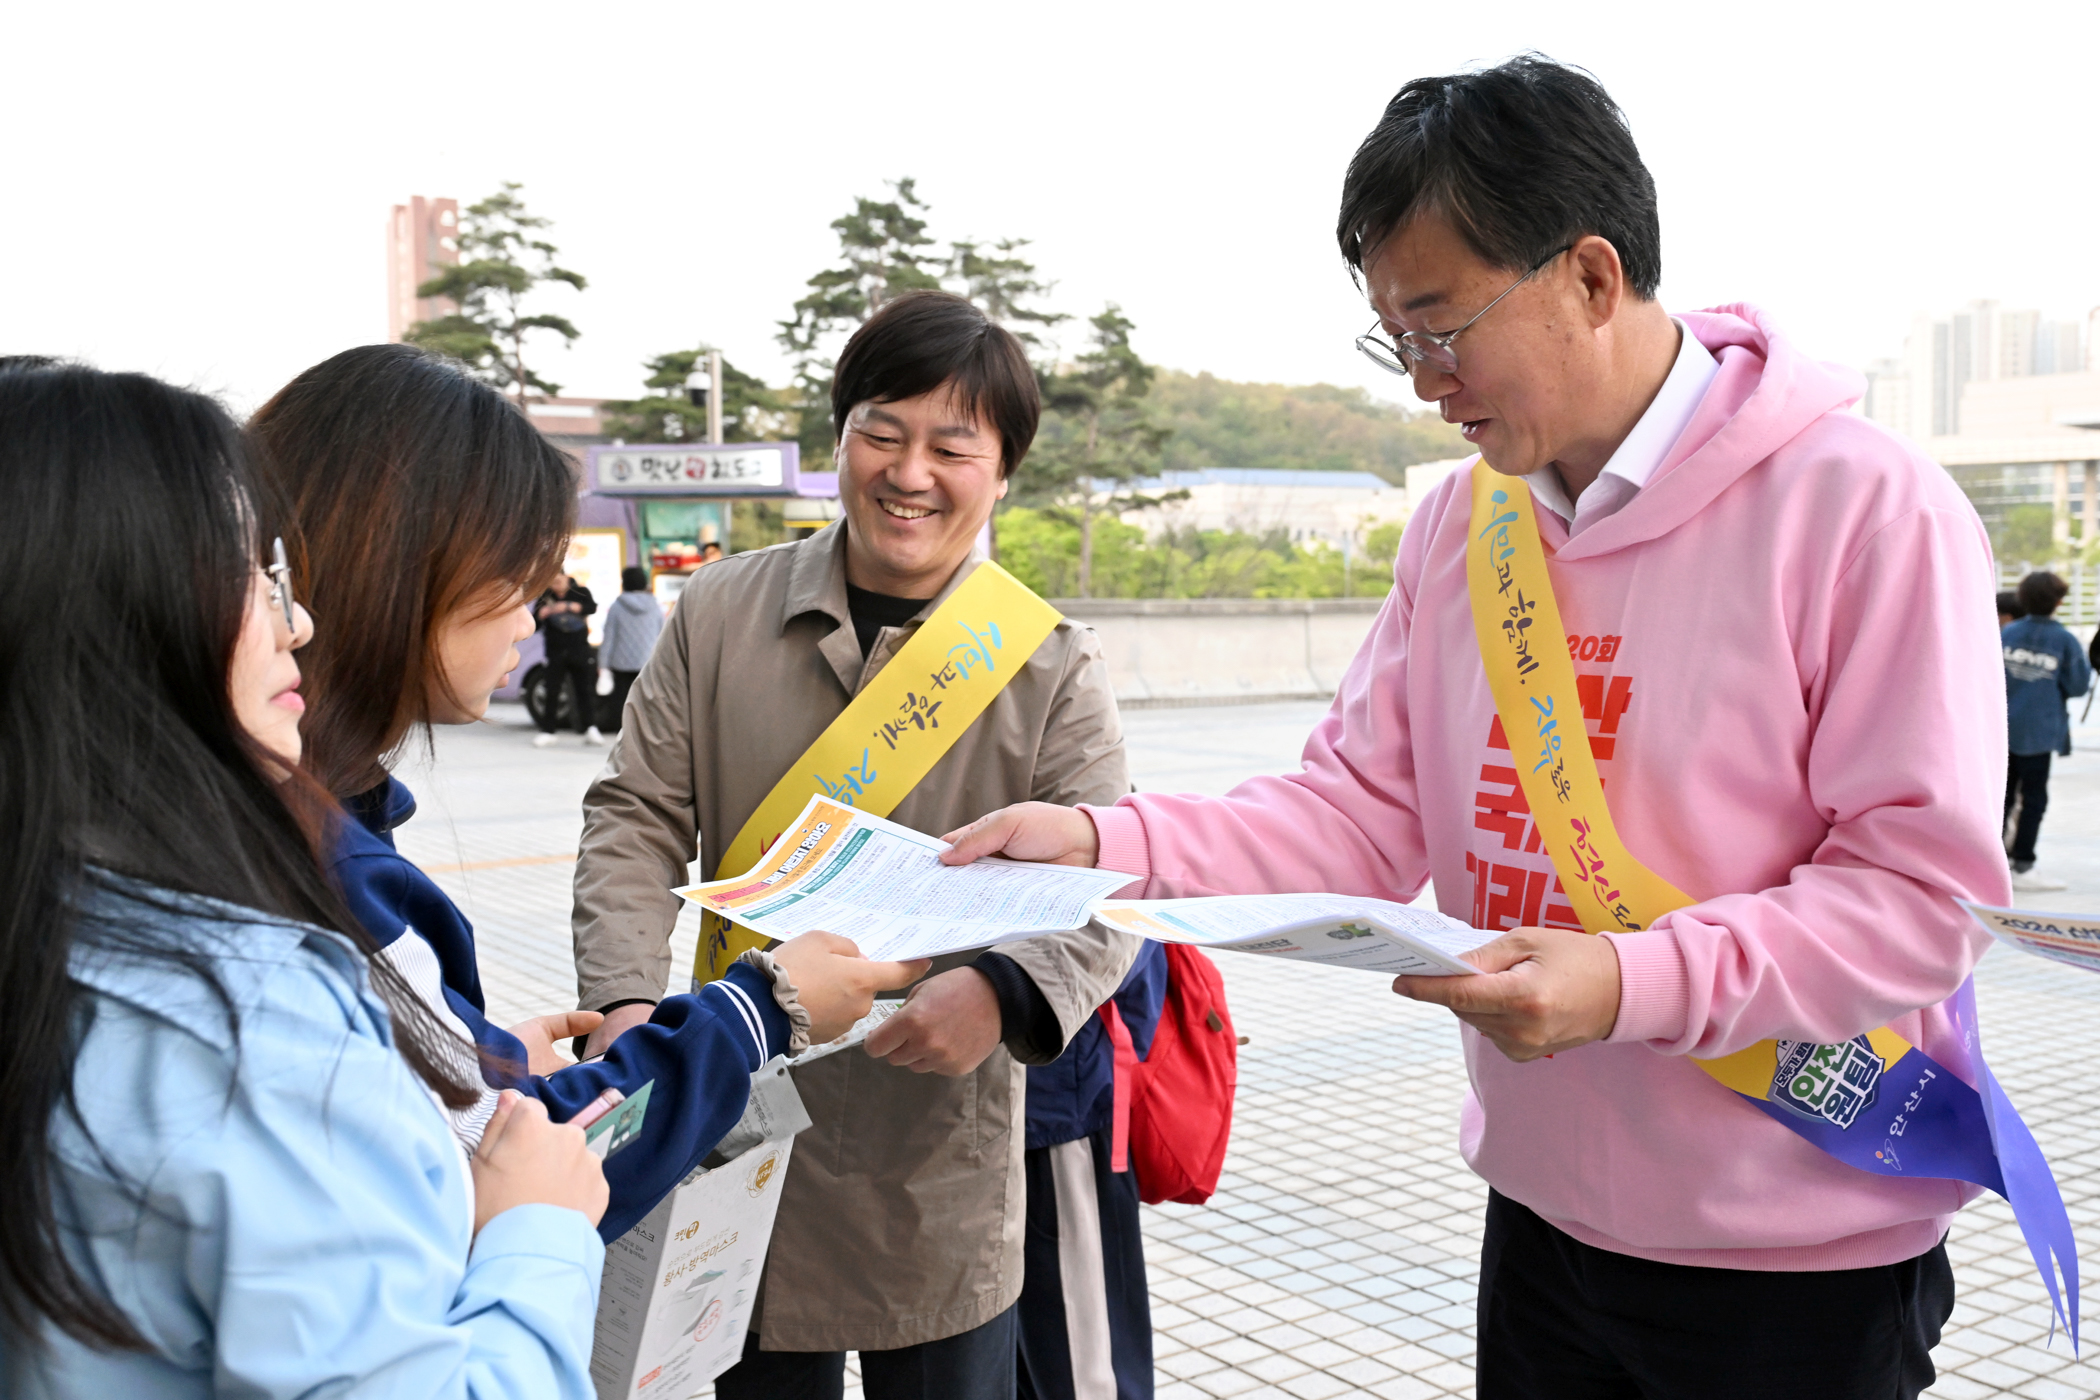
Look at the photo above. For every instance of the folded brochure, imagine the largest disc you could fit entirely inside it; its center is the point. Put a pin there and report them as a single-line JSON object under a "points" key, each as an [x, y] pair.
{"points": [[1376, 935]]}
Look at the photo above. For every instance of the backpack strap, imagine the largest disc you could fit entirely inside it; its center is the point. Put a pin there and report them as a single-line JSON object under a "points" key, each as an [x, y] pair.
{"points": [[1126, 1081]]}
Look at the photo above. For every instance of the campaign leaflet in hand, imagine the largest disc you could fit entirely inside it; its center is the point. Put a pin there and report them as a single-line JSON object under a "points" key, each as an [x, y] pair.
{"points": [[2073, 939], [1376, 935], [883, 886]]}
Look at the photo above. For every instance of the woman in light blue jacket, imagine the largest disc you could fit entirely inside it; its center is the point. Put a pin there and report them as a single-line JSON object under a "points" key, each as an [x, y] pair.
{"points": [[221, 1146]]}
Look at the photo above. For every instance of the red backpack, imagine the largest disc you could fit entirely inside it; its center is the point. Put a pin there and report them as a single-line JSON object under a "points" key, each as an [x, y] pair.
{"points": [[1174, 1107]]}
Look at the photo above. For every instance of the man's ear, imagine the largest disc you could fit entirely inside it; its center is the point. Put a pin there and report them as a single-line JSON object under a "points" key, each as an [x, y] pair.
{"points": [[1602, 278], [1004, 482]]}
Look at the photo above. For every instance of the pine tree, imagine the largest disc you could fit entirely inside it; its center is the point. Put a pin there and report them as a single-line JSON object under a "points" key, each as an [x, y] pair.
{"points": [[502, 259], [751, 412]]}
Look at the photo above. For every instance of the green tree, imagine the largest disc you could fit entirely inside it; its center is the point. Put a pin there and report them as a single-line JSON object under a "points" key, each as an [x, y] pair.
{"points": [[751, 411], [1321, 427], [884, 252], [2027, 535], [1099, 436], [502, 259]]}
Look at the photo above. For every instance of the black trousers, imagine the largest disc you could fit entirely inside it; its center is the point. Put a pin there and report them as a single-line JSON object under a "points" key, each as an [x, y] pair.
{"points": [[1563, 1320], [2027, 782], [973, 1365], [623, 681], [580, 674]]}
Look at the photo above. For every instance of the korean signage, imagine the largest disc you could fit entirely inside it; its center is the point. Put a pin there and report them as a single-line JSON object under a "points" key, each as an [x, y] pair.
{"points": [[738, 469]]}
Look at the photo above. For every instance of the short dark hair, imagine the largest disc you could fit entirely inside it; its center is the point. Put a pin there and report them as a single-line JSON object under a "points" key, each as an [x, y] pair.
{"points": [[2009, 604], [1522, 158], [923, 340], [2040, 593], [634, 579]]}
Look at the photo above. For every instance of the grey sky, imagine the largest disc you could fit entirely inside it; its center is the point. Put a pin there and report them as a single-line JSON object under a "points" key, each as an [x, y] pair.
{"points": [[201, 190]]}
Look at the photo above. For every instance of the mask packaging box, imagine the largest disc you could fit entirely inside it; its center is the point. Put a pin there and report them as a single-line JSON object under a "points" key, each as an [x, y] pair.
{"points": [[678, 1290]]}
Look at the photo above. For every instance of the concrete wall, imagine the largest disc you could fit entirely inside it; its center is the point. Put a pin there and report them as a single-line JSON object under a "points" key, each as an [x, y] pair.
{"points": [[1221, 651]]}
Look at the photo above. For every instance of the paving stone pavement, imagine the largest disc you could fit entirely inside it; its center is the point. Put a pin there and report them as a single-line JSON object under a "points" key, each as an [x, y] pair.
{"points": [[1339, 1256]]}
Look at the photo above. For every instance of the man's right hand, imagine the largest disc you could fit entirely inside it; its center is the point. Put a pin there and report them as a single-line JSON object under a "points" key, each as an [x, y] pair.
{"points": [[835, 984], [1038, 831]]}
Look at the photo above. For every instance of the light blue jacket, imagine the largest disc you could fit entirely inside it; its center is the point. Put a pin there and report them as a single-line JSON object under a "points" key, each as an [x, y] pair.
{"points": [[309, 1217]]}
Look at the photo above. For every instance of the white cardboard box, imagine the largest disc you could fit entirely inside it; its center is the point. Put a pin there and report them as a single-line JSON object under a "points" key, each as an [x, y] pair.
{"points": [[676, 1297]]}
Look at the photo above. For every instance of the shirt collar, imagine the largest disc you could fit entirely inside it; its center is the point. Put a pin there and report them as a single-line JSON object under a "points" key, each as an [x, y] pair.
{"points": [[1657, 431]]}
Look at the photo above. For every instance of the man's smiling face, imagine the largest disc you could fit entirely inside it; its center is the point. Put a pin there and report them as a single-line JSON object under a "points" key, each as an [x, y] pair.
{"points": [[1520, 370], [917, 480]]}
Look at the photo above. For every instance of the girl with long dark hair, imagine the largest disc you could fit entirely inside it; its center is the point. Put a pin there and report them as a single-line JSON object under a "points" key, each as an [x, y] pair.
{"points": [[223, 1166], [431, 513]]}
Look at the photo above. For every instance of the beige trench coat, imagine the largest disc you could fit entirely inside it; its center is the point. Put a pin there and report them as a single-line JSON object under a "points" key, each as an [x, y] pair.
{"points": [[901, 1220]]}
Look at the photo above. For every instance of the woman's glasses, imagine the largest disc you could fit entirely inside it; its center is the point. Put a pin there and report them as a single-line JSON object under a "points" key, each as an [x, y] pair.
{"points": [[280, 572]]}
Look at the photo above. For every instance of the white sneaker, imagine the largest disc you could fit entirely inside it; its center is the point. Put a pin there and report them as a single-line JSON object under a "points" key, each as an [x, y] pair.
{"points": [[543, 741], [592, 737], [2027, 882]]}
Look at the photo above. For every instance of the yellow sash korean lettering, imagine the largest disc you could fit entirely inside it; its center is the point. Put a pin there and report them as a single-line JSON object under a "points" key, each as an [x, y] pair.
{"points": [[1525, 652], [891, 734]]}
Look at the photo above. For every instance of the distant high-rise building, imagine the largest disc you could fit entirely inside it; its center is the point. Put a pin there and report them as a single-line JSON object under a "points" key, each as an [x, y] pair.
{"points": [[422, 236], [1979, 343]]}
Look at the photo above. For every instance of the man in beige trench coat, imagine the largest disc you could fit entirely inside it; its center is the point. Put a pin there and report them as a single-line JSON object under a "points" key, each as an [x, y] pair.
{"points": [[900, 1229]]}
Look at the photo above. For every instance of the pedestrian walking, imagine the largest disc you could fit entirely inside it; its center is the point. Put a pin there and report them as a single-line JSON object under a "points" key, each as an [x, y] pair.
{"points": [[2045, 668], [627, 636], [561, 612]]}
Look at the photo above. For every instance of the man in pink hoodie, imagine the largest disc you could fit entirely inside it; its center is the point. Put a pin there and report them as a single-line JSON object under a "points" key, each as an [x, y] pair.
{"points": [[1778, 618]]}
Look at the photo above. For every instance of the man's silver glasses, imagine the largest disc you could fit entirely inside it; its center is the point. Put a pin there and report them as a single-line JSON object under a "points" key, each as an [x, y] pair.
{"points": [[1429, 347], [280, 572]]}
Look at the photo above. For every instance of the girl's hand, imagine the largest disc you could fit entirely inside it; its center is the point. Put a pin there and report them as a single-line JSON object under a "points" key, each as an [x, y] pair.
{"points": [[835, 984], [525, 1160], [541, 1034]]}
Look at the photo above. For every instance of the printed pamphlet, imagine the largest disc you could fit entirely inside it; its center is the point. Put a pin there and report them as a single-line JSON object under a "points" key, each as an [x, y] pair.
{"points": [[1338, 930], [2072, 939], [883, 886]]}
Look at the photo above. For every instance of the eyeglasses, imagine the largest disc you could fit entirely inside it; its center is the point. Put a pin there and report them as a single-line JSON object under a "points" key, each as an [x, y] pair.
{"points": [[1427, 347], [280, 572]]}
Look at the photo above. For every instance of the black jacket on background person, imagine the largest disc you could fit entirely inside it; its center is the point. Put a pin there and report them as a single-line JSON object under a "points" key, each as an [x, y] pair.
{"points": [[568, 635]]}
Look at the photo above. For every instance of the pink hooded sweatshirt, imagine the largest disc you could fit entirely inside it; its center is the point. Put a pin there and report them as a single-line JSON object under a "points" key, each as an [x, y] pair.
{"points": [[1789, 666]]}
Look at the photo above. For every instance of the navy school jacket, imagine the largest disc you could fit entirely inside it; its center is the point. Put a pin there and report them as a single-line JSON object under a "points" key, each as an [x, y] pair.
{"points": [[1075, 1094], [700, 1050]]}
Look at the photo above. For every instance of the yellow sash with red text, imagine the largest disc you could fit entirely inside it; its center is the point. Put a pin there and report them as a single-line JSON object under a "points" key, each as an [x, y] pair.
{"points": [[890, 735], [1525, 652]]}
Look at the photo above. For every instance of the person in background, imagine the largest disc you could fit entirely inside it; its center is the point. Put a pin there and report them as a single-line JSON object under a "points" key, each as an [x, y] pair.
{"points": [[401, 467], [710, 553], [630, 631], [2009, 609], [2045, 668], [560, 613], [227, 1169]]}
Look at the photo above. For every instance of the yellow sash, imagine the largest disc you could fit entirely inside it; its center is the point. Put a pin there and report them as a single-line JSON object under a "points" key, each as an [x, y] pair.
{"points": [[1525, 652], [892, 733]]}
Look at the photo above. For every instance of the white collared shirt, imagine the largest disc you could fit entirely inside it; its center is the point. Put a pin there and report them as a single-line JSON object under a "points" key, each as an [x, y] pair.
{"points": [[1645, 447]]}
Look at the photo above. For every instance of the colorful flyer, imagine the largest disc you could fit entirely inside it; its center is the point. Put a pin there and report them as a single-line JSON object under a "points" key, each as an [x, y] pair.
{"points": [[2071, 939]]}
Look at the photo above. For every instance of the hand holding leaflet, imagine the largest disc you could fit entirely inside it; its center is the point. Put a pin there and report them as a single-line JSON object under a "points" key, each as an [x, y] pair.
{"points": [[1376, 935], [884, 886]]}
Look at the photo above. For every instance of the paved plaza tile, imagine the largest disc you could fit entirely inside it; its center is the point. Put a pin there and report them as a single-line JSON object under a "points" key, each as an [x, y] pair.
{"points": [[1339, 1256]]}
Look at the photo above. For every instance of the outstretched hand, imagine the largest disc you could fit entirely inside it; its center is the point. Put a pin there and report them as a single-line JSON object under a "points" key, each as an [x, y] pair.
{"points": [[1540, 991], [948, 1025], [835, 984], [1038, 831]]}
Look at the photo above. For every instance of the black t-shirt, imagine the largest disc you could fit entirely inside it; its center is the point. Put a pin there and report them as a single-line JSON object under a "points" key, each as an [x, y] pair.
{"points": [[871, 612]]}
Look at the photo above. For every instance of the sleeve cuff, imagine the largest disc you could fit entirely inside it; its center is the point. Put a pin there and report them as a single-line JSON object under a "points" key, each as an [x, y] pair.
{"points": [[1121, 832], [1028, 1027], [750, 992], [1655, 992], [541, 1231]]}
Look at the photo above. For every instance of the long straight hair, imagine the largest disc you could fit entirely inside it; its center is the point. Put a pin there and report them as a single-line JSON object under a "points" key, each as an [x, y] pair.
{"points": [[420, 493], [132, 508]]}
